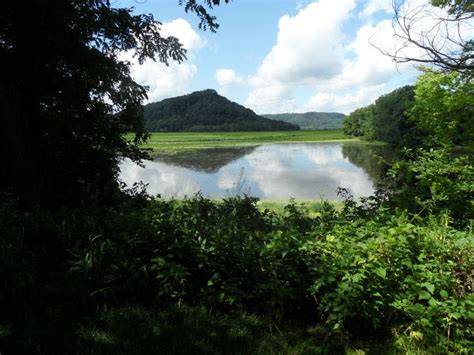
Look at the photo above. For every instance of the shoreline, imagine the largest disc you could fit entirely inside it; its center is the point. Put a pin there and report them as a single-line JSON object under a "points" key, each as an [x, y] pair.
{"points": [[170, 143]]}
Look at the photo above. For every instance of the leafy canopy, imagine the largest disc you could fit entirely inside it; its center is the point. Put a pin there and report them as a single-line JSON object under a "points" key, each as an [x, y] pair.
{"points": [[67, 96]]}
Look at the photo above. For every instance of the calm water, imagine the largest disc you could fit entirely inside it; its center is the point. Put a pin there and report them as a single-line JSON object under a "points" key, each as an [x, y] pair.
{"points": [[271, 171]]}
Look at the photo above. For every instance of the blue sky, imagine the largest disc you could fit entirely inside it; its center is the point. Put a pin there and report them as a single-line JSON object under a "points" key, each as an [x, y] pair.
{"points": [[278, 56]]}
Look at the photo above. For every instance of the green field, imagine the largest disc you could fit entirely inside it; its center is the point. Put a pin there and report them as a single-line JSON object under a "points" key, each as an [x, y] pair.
{"points": [[174, 142]]}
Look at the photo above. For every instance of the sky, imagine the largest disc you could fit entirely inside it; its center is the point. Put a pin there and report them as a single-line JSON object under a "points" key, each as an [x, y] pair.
{"points": [[277, 56]]}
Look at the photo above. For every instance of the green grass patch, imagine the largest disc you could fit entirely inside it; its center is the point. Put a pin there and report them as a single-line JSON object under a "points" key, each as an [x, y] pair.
{"points": [[190, 330], [199, 330], [174, 142], [313, 207]]}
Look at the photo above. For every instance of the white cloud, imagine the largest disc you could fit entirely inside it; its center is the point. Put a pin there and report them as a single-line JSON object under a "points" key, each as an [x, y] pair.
{"points": [[225, 77], [271, 99], [304, 41], [427, 26], [312, 53], [346, 102], [309, 48], [309, 53], [370, 66], [365, 76], [182, 29], [374, 6], [166, 81], [368, 73]]}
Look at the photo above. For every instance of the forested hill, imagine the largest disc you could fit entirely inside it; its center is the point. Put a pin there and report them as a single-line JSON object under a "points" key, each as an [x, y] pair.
{"points": [[311, 120], [206, 111]]}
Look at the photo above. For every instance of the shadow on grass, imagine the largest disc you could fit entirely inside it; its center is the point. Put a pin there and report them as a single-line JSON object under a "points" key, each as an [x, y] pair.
{"points": [[135, 330]]}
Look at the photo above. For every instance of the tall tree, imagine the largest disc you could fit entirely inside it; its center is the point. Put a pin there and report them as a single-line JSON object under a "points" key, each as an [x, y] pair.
{"points": [[390, 121], [444, 110], [66, 97]]}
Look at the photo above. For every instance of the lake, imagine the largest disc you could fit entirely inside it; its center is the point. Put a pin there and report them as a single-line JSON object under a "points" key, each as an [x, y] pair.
{"points": [[269, 171]]}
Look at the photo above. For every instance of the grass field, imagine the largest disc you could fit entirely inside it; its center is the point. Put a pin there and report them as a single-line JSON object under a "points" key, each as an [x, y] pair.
{"points": [[173, 142]]}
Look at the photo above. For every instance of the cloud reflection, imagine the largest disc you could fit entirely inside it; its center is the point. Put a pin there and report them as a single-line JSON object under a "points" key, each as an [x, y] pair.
{"points": [[274, 171], [164, 179], [305, 171]]}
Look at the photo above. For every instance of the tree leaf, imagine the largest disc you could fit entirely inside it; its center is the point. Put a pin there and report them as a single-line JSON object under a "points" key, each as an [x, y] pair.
{"points": [[423, 295], [430, 287], [381, 272]]}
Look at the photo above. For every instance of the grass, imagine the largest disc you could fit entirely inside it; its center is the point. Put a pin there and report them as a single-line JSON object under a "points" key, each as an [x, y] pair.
{"points": [[312, 206], [171, 143], [183, 330], [197, 330]]}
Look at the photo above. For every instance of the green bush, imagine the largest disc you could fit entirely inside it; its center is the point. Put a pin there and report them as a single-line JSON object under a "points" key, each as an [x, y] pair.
{"points": [[362, 270], [389, 272]]}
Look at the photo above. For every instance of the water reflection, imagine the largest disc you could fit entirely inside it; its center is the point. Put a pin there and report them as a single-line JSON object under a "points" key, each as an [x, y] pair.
{"points": [[161, 178], [273, 171], [208, 160], [374, 159]]}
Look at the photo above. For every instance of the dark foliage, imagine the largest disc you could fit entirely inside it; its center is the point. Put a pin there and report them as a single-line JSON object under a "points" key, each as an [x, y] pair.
{"points": [[386, 120], [204, 111], [356, 271], [66, 97]]}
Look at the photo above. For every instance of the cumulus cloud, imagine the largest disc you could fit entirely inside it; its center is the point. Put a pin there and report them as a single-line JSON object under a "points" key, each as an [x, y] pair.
{"points": [[313, 53], [365, 76], [303, 42], [345, 102], [225, 77], [370, 67], [165, 81], [368, 73], [374, 6], [182, 29], [274, 98], [308, 48]]}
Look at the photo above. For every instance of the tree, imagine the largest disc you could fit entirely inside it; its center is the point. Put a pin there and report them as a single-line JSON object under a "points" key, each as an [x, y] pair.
{"points": [[66, 97], [385, 120], [390, 122], [427, 35], [360, 122], [444, 110]]}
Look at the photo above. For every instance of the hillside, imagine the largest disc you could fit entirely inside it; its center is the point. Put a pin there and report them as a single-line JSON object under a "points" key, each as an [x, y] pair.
{"points": [[311, 120], [206, 111]]}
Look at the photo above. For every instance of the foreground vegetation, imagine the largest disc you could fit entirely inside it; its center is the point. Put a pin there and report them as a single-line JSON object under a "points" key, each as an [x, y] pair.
{"points": [[237, 279], [174, 142]]}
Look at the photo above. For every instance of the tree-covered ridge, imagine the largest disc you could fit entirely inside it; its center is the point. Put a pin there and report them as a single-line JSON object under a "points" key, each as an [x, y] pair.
{"points": [[206, 111], [311, 120]]}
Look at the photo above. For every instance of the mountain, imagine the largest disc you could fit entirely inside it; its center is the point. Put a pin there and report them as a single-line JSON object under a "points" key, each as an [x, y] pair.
{"points": [[206, 111], [311, 120]]}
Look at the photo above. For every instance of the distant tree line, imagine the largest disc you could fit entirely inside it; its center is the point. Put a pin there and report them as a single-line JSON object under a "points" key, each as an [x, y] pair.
{"points": [[313, 121]]}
